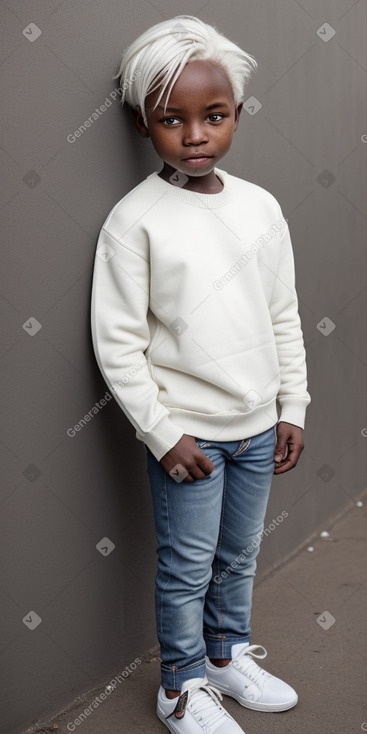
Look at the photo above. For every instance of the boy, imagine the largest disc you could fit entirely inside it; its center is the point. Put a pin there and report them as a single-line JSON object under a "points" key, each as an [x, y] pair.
{"points": [[196, 331]]}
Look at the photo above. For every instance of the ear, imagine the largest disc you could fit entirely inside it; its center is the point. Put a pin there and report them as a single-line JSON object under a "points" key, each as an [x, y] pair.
{"points": [[139, 122], [237, 114]]}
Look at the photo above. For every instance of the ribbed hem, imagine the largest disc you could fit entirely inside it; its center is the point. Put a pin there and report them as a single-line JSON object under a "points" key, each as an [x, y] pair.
{"points": [[215, 427], [220, 426], [226, 426]]}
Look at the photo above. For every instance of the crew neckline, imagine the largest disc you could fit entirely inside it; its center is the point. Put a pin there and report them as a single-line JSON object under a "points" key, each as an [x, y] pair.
{"points": [[195, 198]]}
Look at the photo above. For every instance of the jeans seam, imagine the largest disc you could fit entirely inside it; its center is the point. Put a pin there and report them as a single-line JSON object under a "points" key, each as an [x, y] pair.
{"points": [[175, 669], [220, 535], [170, 552], [173, 677]]}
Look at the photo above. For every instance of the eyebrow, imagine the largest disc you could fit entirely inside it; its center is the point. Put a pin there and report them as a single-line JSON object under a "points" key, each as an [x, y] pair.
{"points": [[209, 107]]}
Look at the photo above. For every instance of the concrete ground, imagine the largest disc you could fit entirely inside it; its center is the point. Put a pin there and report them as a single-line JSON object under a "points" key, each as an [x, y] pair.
{"points": [[310, 614]]}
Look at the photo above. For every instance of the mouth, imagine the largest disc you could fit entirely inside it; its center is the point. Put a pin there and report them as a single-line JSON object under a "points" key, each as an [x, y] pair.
{"points": [[198, 160]]}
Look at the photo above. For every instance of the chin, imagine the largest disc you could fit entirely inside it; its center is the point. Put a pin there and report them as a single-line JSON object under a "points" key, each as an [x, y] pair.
{"points": [[199, 171]]}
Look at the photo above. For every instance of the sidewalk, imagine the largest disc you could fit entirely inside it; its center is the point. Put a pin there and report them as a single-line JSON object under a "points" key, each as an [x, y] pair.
{"points": [[293, 618]]}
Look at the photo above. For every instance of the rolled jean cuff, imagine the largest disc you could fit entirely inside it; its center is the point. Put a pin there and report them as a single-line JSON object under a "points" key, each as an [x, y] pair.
{"points": [[172, 678], [220, 647]]}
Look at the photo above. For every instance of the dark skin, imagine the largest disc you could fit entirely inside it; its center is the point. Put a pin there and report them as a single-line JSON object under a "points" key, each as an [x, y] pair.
{"points": [[192, 135]]}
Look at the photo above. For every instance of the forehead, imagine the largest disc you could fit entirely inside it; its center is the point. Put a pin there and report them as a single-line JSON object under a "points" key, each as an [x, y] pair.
{"points": [[200, 81]]}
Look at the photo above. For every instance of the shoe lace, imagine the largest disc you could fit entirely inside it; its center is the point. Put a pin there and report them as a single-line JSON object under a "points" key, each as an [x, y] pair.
{"points": [[204, 704], [246, 665]]}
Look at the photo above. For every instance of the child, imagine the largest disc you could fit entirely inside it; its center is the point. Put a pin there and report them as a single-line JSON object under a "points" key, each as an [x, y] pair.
{"points": [[196, 331]]}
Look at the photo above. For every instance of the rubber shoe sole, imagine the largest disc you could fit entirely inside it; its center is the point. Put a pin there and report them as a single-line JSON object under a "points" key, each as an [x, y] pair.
{"points": [[256, 706]]}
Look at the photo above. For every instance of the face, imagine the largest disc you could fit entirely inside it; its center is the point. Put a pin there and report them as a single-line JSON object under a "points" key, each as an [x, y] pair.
{"points": [[197, 128]]}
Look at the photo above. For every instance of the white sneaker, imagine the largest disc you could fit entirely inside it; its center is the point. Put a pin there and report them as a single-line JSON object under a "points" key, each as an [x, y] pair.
{"points": [[249, 684], [196, 711]]}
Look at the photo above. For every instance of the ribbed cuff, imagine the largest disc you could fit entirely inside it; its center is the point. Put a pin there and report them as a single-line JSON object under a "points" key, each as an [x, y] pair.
{"points": [[293, 410], [164, 436]]}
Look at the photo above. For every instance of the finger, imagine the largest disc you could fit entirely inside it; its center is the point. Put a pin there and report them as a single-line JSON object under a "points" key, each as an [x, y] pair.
{"points": [[202, 468], [206, 465], [199, 473], [188, 479], [281, 452], [282, 468], [289, 463]]}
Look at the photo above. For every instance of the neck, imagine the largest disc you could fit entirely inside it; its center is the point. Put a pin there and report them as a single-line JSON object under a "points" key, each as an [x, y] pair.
{"points": [[208, 184]]}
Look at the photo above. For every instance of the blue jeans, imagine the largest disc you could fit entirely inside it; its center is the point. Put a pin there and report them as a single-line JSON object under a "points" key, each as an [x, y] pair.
{"points": [[208, 535]]}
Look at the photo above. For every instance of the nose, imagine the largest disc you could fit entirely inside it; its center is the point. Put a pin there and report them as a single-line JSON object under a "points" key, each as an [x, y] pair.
{"points": [[194, 134]]}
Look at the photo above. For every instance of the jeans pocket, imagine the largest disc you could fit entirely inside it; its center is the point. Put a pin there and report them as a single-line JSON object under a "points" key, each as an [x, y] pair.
{"points": [[242, 447], [202, 444]]}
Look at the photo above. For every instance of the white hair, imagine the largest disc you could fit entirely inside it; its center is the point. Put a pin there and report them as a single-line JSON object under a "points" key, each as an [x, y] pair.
{"points": [[157, 58]]}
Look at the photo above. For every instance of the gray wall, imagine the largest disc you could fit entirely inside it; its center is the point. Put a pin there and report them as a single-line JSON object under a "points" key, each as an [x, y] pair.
{"points": [[61, 495]]}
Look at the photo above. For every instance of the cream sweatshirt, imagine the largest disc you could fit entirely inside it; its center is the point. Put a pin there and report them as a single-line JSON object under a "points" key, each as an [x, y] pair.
{"points": [[195, 319]]}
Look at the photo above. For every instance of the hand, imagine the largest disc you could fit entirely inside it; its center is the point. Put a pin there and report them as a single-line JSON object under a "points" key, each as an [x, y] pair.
{"points": [[288, 447], [187, 453]]}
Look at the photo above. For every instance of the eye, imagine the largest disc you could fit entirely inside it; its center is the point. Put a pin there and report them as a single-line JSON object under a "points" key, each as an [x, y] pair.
{"points": [[217, 115], [170, 121]]}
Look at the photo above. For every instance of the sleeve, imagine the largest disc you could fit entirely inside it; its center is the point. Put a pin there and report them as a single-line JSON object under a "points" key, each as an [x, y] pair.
{"points": [[293, 397], [121, 334]]}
